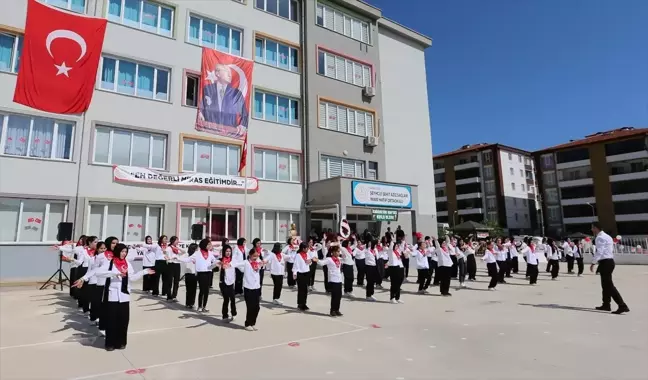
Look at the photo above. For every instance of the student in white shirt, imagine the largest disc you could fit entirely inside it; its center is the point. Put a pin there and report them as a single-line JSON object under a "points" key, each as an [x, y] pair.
{"points": [[419, 253], [258, 247], [118, 273], [511, 252], [568, 251], [347, 254], [359, 255], [238, 254], [554, 258], [444, 255], [371, 269], [396, 267], [173, 269], [604, 257], [501, 252], [205, 261], [68, 251], [84, 261], [461, 262], [490, 258], [148, 262], [191, 281], [381, 263], [577, 251], [251, 287], [160, 264], [471, 262], [333, 265], [301, 272], [226, 283], [277, 264], [529, 251], [313, 248], [289, 251], [102, 256]]}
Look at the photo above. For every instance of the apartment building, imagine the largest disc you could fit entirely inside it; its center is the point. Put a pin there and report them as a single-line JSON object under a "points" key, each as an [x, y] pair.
{"points": [[487, 182], [602, 177], [331, 117]]}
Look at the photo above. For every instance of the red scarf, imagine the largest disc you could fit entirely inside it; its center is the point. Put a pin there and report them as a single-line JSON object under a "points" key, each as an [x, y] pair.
{"points": [[336, 261], [422, 251], [304, 256], [258, 249], [256, 265], [396, 252], [121, 264], [175, 249], [205, 254], [349, 250], [242, 249], [445, 249], [532, 247], [91, 252], [293, 247], [109, 255], [278, 255], [226, 260], [373, 251], [163, 246]]}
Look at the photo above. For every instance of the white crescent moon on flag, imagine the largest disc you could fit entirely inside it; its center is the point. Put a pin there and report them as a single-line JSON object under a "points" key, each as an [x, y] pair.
{"points": [[67, 34], [243, 84]]}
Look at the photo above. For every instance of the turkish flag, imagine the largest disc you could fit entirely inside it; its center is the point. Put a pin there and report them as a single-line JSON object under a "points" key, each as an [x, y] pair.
{"points": [[60, 57]]}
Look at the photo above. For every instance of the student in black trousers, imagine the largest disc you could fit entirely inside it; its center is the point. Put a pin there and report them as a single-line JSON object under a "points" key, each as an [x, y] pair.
{"points": [[301, 271], [371, 270], [313, 253], [490, 258], [347, 266], [604, 257], [73, 269], [471, 262], [173, 270], [578, 256], [554, 259], [191, 281], [160, 265], [205, 261], [226, 283], [277, 266], [290, 251], [251, 287], [257, 245], [333, 265], [239, 255], [96, 296], [360, 254]]}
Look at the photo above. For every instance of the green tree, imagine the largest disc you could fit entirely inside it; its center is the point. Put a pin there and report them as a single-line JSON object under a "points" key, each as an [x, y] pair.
{"points": [[497, 230]]}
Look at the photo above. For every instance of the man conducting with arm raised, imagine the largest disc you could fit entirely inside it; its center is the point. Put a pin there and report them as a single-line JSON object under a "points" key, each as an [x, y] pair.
{"points": [[604, 257]]}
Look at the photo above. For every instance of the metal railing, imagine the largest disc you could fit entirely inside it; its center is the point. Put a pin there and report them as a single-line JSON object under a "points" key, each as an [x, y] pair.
{"points": [[625, 246]]}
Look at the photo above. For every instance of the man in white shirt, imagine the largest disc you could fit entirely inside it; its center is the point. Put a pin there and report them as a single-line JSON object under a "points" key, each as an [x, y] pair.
{"points": [[604, 257]]}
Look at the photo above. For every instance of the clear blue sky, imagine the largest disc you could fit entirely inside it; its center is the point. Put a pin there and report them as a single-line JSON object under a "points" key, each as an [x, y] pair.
{"points": [[530, 73]]}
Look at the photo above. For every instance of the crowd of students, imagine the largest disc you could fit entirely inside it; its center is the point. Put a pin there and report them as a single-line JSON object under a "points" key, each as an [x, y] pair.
{"points": [[102, 271]]}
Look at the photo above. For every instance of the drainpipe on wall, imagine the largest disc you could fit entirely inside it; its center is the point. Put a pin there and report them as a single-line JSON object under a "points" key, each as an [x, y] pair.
{"points": [[304, 93]]}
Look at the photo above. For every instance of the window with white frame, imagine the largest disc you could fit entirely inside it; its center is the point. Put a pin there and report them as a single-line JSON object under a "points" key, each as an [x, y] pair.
{"points": [[218, 223], [490, 187], [216, 35], [520, 158], [287, 9], [340, 167], [114, 146], [521, 173], [192, 83], [510, 156], [345, 119], [30, 220], [488, 171], [210, 157], [344, 69], [127, 222], [276, 54], [343, 23], [273, 226], [491, 203], [547, 161], [553, 213], [71, 5], [276, 108], [511, 170], [142, 14], [276, 166], [522, 186], [512, 185], [133, 78], [488, 157], [551, 195], [10, 50], [36, 137], [372, 170], [549, 178]]}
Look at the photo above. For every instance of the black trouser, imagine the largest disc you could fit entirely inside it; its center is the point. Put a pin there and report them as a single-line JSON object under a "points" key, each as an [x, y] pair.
{"points": [[277, 281], [471, 263], [80, 292], [555, 266], [326, 283], [445, 274], [610, 291], [117, 318], [405, 261], [336, 295], [302, 289], [380, 266], [96, 301], [532, 270], [549, 263], [423, 274], [581, 265], [461, 264], [313, 270], [290, 280], [160, 270], [238, 282], [428, 277], [361, 267], [261, 275], [173, 271], [501, 271], [252, 297], [191, 283], [435, 268], [372, 275], [229, 300], [203, 287], [147, 280], [508, 267], [347, 271], [492, 272], [570, 264], [396, 274], [454, 269], [73, 278], [515, 265]]}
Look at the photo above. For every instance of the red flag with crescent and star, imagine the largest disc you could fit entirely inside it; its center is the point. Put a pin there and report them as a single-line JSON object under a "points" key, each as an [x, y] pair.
{"points": [[59, 61]]}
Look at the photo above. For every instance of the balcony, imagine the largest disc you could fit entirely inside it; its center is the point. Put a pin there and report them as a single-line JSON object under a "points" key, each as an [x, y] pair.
{"points": [[468, 196], [439, 171], [627, 156], [471, 211], [631, 217], [442, 213], [439, 185], [578, 201], [468, 165], [629, 197], [576, 182], [581, 220], [573, 164], [629, 176], [467, 181], [442, 199]]}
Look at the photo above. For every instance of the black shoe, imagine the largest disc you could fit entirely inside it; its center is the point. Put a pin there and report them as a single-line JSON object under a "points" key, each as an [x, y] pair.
{"points": [[121, 347], [333, 314], [338, 314], [621, 310], [604, 308], [110, 348], [446, 294]]}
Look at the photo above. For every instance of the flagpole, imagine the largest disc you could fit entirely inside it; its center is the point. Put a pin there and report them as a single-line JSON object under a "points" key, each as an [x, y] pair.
{"points": [[78, 184], [245, 189]]}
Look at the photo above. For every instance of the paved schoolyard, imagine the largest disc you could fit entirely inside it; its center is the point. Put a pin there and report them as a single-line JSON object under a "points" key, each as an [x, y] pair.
{"points": [[518, 332]]}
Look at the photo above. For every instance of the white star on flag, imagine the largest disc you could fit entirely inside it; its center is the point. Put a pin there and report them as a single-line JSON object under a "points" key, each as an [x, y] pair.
{"points": [[211, 76], [62, 69]]}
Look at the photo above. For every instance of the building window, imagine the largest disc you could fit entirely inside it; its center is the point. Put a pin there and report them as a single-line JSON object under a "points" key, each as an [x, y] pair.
{"points": [[516, 216], [491, 203], [127, 222], [513, 186], [526, 217], [551, 195], [531, 189], [340, 167], [114, 146], [520, 158], [71, 5], [276, 108], [347, 120], [522, 186], [210, 158], [219, 223], [527, 161], [524, 202], [272, 226], [276, 54], [287, 9], [488, 172], [209, 33], [36, 137], [510, 156], [342, 23], [488, 157], [493, 216], [30, 220], [514, 201], [549, 178], [372, 170], [344, 69], [276, 166], [521, 173], [553, 213], [192, 83], [490, 187], [142, 14], [10, 50], [511, 170], [132, 78]]}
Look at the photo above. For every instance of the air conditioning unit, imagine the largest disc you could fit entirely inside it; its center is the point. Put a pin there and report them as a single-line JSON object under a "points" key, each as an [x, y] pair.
{"points": [[369, 92], [371, 141]]}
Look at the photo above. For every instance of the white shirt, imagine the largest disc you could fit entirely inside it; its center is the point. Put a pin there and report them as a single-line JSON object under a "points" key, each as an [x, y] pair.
{"points": [[531, 254], [489, 257], [312, 253], [459, 253], [370, 257], [500, 253], [383, 253], [99, 261], [202, 264], [159, 252], [251, 279], [469, 250], [604, 247], [444, 257], [276, 264], [395, 259], [229, 275], [359, 254], [334, 272], [289, 252], [567, 249], [553, 252], [69, 251], [421, 259], [237, 254], [190, 266], [512, 251], [148, 256], [301, 266], [576, 252], [347, 257], [114, 290]]}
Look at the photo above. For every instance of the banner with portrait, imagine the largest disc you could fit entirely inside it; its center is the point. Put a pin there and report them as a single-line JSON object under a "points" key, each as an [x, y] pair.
{"points": [[224, 94]]}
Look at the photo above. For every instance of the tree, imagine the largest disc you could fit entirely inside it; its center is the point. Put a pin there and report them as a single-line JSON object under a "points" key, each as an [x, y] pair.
{"points": [[497, 230]]}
